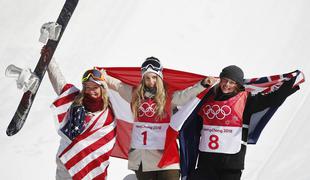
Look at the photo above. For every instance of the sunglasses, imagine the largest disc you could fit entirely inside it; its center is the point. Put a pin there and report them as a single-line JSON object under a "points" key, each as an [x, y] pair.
{"points": [[151, 64], [94, 73]]}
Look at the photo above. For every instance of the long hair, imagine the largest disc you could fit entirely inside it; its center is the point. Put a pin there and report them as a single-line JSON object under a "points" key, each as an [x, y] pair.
{"points": [[78, 100], [160, 97]]}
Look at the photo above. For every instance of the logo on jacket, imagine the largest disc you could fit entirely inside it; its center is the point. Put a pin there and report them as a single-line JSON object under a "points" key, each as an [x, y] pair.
{"points": [[216, 111], [147, 109]]}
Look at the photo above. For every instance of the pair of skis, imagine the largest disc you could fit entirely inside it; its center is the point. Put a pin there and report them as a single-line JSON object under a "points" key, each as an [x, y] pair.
{"points": [[26, 102]]}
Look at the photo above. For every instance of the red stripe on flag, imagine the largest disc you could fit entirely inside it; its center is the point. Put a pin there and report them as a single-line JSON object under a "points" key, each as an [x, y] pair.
{"points": [[290, 75], [66, 99], [61, 117], [66, 87], [110, 118], [81, 136], [253, 80], [89, 149], [101, 176], [275, 77], [95, 163]]}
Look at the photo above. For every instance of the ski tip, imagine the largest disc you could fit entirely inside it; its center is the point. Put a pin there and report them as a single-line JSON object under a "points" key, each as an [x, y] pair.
{"points": [[10, 132], [15, 125]]}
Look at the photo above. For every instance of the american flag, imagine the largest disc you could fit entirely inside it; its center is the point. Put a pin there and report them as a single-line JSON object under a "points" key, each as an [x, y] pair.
{"points": [[87, 156]]}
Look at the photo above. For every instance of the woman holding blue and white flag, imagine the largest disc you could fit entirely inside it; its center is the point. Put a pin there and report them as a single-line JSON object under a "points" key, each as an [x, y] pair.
{"points": [[233, 114]]}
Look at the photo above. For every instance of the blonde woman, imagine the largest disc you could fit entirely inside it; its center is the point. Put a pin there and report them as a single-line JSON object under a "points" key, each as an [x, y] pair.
{"points": [[86, 125], [152, 108]]}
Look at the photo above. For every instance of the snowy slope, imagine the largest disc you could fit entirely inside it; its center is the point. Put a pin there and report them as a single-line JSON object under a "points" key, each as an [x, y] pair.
{"points": [[263, 37]]}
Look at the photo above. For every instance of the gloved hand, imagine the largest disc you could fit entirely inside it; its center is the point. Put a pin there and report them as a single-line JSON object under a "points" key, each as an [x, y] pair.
{"points": [[104, 72], [105, 75], [25, 78], [50, 30], [27, 81]]}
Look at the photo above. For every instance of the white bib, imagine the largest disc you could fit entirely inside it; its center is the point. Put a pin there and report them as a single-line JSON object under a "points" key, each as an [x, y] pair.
{"points": [[148, 135], [220, 139]]}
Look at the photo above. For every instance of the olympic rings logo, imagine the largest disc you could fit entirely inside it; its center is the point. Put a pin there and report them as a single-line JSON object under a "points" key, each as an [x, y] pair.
{"points": [[215, 111], [147, 109]]}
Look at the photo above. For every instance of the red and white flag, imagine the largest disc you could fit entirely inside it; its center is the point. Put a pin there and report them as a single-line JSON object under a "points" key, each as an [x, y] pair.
{"points": [[174, 80]]}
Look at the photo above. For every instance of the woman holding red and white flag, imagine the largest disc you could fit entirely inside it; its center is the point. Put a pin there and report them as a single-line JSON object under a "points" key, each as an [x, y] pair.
{"points": [[152, 104]]}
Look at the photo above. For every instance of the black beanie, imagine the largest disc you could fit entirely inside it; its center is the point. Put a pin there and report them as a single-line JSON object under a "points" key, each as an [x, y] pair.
{"points": [[234, 73]]}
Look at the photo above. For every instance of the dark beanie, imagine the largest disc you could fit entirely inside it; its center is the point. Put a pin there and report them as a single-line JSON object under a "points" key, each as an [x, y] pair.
{"points": [[234, 73]]}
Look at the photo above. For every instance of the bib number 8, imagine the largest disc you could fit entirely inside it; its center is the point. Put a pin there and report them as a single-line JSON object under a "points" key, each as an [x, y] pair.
{"points": [[213, 144]]}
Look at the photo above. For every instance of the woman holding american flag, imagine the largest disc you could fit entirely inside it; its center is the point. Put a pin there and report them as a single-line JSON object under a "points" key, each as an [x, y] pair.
{"points": [[86, 125]]}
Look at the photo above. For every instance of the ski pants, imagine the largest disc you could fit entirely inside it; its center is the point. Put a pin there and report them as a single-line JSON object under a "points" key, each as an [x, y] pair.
{"points": [[172, 174], [211, 173]]}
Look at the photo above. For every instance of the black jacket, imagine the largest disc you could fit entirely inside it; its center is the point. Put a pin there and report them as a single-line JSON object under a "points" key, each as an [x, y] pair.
{"points": [[254, 104]]}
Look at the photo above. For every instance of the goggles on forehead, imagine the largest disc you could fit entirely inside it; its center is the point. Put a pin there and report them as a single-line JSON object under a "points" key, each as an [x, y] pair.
{"points": [[155, 65], [94, 73]]}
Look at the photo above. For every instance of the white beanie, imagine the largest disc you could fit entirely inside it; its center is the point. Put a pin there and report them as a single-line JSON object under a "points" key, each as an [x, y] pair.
{"points": [[152, 64]]}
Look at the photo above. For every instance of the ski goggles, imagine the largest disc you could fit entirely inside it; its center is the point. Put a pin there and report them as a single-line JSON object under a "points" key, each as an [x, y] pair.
{"points": [[94, 73], [152, 63]]}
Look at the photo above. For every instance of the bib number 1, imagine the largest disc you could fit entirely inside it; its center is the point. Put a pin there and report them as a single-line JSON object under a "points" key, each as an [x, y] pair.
{"points": [[144, 134]]}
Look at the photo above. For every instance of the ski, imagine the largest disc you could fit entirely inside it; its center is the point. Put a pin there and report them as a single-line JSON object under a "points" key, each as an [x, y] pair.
{"points": [[26, 102]]}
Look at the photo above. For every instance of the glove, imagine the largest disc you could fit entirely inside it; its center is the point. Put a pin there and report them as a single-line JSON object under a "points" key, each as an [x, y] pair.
{"points": [[25, 79], [105, 75], [50, 30]]}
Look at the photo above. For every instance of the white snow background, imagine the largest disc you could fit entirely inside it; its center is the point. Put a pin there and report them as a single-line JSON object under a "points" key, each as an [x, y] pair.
{"points": [[263, 37]]}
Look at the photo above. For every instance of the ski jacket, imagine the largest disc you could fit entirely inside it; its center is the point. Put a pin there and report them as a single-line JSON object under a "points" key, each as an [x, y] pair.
{"points": [[255, 103], [151, 157], [87, 154]]}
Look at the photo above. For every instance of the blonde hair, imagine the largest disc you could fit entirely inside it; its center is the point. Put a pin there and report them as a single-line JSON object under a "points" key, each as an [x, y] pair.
{"points": [[78, 100], [160, 97]]}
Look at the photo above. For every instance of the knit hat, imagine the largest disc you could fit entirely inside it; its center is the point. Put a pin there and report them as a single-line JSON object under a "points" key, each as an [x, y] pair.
{"points": [[234, 73], [152, 64]]}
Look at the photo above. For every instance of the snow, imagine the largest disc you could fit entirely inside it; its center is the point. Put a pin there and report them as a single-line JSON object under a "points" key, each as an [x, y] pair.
{"points": [[263, 37]]}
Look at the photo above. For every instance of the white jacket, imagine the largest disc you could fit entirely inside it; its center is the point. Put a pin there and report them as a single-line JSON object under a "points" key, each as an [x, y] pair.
{"points": [[150, 158]]}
